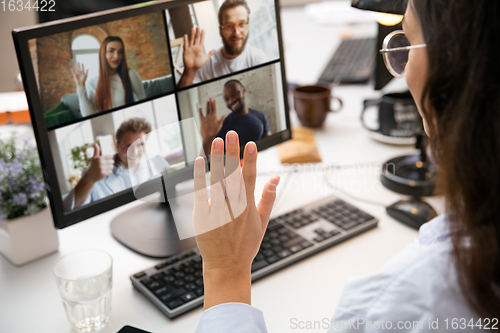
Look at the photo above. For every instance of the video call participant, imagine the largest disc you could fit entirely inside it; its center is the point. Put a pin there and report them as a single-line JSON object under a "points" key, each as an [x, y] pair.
{"points": [[234, 17], [110, 174], [116, 84], [250, 124]]}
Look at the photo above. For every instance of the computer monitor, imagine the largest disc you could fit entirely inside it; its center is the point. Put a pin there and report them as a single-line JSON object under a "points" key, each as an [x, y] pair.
{"points": [[97, 82]]}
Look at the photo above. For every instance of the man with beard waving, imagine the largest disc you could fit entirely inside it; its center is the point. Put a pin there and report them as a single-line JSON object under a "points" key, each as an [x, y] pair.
{"points": [[250, 124], [234, 16]]}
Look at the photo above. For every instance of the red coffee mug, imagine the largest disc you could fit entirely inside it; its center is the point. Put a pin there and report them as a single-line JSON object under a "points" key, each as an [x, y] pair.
{"points": [[312, 104]]}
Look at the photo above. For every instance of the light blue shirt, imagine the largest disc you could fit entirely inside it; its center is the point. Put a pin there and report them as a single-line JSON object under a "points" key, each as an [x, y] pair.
{"points": [[120, 179], [419, 286]]}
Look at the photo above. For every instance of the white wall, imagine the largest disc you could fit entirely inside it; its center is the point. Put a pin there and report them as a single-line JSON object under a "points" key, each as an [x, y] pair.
{"points": [[8, 60]]}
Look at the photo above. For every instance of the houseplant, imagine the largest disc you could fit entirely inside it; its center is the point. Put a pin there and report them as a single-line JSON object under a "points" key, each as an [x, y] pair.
{"points": [[26, 225]]}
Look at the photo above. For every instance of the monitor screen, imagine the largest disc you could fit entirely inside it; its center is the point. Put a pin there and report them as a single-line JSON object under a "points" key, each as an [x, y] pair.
{"points": [[98, 84]]}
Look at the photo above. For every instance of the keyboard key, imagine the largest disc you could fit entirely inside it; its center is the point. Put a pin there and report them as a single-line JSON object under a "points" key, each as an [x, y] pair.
{"points": [[272, 259], [334, 232], [266, 245], [179, 283], [349, 225], [267, 253], [365, 217], [154, 285], [272, 224], [282, 231], [139, 275], [283, 238], [169, 279], [172, 294], [295, 248], [319, 239], [306, 244], [146, 281], [292, 242], [199, 291], [175, 303], [189, 296], [320, 231], [256, 265], [284, 254], [190, 286], [158, 276]]}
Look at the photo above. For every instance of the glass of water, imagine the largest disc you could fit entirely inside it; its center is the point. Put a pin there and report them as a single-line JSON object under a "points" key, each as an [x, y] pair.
{"points": [[84, 279]]}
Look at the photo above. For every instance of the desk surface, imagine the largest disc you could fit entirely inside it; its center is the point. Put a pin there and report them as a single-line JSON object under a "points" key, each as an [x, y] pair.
{"points": [[308, 290]]}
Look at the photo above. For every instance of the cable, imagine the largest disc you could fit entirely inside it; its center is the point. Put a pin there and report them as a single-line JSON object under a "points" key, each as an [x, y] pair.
{"points": [[346, 193], [324, 168], [319, 167], [283, 186]]}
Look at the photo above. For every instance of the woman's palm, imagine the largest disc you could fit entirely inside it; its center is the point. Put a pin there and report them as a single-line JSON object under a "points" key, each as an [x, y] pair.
{"points": [[80, 74]]}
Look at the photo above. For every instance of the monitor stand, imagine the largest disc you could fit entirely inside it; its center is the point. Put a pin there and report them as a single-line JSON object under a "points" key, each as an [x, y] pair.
{"points": [[149, 229]]}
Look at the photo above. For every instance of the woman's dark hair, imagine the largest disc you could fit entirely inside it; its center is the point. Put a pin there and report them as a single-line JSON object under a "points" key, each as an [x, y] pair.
{"points": [[461, 103], [103, 98]]}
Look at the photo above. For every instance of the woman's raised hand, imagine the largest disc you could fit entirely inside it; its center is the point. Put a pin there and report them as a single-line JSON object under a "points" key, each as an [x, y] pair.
{"points": [[80, 74], [229, 226]]}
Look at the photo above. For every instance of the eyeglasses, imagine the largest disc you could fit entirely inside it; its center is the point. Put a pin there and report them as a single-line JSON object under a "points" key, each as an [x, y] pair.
{"points": [[230, 28], [395, 49]]}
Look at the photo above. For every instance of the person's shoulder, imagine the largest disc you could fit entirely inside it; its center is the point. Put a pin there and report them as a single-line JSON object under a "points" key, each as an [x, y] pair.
{"points": [[421, 277], [257, 113], [229, 118], [133, 73], [256, 55], [92, 83], [216, 58], [206, 72]]}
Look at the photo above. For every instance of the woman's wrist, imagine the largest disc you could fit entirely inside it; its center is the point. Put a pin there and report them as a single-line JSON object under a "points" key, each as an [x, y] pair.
{"points": [[227, 285]]}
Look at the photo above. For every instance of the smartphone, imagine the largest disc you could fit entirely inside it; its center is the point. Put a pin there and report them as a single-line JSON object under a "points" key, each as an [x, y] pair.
{"points": [[130, 329]]}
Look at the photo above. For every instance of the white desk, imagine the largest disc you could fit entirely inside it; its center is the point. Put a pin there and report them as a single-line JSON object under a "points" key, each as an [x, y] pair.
{"points": [[308, 290]]}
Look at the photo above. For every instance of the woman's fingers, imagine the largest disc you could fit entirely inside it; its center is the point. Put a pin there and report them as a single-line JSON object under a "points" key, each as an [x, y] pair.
{"points": [[250, 170], [266, 203], [235, 187], [200, 185], [217, 161], [232, 172]]}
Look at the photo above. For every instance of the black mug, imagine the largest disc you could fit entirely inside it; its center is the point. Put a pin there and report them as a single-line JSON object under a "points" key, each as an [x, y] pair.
{"points": [[398, 115]]}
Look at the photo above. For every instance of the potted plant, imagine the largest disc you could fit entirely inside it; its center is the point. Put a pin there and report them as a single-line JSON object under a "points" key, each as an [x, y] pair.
{"points": [[26, 225], [80, 157]]}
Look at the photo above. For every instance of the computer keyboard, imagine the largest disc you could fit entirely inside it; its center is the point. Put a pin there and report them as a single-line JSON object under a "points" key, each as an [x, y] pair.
{"points": [[352, 62], [175, 286]]}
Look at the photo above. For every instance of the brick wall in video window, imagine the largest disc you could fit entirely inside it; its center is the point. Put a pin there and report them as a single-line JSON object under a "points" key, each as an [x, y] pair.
{"points": [[145, 45]]}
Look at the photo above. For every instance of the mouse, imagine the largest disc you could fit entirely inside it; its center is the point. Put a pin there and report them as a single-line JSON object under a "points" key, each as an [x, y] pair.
{"points": [[412, 212]]}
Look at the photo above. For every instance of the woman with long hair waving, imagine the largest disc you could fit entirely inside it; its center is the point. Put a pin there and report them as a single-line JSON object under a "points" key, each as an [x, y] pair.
{"points": [[116, 84]]}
